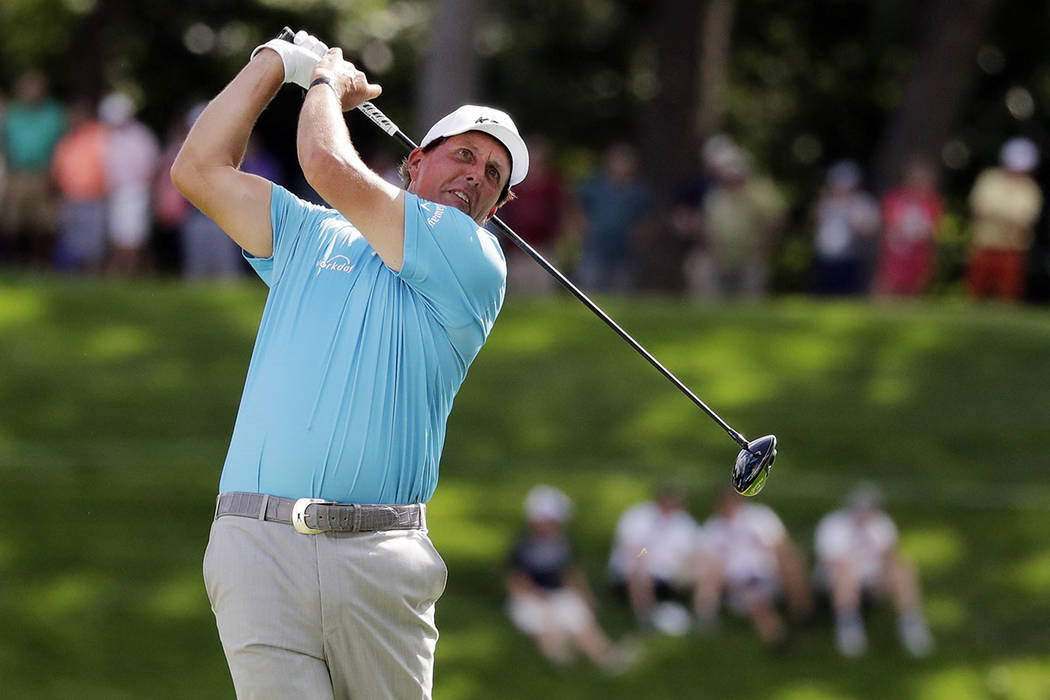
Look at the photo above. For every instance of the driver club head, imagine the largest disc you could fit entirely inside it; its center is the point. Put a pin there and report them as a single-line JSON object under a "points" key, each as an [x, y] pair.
{"points": [[752, 465]]}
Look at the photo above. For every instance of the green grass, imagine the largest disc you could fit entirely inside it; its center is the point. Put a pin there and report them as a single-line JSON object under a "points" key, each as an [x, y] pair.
{"points": [[118, 400]]}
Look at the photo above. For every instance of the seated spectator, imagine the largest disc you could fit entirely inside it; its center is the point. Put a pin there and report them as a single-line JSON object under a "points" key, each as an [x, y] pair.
{"points": [[857, 559], [548, 596], [652, 552], [745, 557]]}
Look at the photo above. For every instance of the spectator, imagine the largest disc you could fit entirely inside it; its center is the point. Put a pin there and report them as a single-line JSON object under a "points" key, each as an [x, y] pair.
{"points": [[547, 594], [132, 158], [1005, 203], [847, 219], [33, 123], [912, 213], [615, 204], [745, 557], [538, 215], [743, 215], [207, 252], [652, 552], [170, 208], [857, 560], [79, 171], [687, 219]]}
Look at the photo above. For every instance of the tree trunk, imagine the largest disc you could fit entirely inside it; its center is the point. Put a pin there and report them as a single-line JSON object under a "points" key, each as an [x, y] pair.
{"points": [[669, 135], [951, 32], [449, 75], [716, 40]]}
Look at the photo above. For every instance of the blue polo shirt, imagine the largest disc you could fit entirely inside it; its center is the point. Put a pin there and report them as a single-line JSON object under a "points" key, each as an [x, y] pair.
{"points": [[355, 366]]}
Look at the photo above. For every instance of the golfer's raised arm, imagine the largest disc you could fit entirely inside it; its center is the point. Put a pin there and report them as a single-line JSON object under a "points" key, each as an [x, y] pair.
{"points": [[205, 170], [332, 165]]}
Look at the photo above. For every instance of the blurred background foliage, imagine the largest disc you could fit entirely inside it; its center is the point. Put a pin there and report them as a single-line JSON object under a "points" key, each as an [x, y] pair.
{"points": [[799, 84]]}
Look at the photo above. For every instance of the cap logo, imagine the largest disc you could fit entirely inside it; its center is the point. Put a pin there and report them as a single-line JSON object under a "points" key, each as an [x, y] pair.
{"points": [[482, 120]]}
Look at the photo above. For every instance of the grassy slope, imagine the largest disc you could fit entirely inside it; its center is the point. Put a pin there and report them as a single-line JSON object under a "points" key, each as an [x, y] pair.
{"points": [[117, 402]]}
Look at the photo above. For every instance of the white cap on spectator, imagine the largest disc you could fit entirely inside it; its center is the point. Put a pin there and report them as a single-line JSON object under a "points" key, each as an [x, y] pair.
{"points": [[1019, 155], [547, 503], [116, 109]]}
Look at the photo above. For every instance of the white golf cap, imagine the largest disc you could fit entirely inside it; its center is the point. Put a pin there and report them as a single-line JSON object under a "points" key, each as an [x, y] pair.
{"points": [[490, 121], [547, 503], [1019, 155]]}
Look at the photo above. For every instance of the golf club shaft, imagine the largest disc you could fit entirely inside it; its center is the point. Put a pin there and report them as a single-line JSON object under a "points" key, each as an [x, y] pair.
{"points": [[384, 123]]}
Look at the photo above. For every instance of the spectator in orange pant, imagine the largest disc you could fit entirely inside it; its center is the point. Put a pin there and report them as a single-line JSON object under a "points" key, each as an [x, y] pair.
{"points": [[1006, 203]]}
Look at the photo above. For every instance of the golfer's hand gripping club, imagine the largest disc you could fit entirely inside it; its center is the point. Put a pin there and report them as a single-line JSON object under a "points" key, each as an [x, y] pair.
{"points": [[299, 53], [755, 458]]}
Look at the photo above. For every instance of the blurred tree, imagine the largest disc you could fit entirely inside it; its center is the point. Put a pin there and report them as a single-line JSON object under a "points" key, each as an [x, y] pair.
{"points": [[944, 65], [448, 77]]}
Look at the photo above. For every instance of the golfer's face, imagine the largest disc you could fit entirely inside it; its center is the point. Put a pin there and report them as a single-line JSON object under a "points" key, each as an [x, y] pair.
{"points": [[467, 171]]}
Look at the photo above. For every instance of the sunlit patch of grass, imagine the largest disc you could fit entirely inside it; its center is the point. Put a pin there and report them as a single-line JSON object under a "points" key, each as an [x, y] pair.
{"points": [[19, 305], [808, 690], [180, 597], [461, 526], [950, 683], [1020, 678], [1033, 573], [118, 342], [54, 601], [932, 549], [945, 612]]}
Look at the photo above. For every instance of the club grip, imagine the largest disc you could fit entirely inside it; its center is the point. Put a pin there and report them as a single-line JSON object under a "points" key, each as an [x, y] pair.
{"points": [[286, 34]]}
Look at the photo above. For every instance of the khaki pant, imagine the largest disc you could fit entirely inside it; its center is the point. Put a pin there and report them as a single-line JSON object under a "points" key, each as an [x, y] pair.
{"points": [[28, 203], [340, 615]]}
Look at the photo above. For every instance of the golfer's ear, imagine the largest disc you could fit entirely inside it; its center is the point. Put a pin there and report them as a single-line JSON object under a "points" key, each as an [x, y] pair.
{"points": [[415, 158]]}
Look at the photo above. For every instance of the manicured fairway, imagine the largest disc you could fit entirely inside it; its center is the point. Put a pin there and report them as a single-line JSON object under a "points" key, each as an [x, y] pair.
{"points": [[118, 400]]}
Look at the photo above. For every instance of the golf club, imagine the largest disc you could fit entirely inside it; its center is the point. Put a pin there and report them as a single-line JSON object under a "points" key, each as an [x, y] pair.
{"points": [[754, 459]]}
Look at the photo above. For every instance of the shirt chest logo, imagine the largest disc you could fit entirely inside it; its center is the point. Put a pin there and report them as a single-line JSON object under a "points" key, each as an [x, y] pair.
{"points": [[338, 263]]}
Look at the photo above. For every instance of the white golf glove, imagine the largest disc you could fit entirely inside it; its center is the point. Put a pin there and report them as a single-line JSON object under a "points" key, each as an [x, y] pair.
{"points": [[299, 56]]}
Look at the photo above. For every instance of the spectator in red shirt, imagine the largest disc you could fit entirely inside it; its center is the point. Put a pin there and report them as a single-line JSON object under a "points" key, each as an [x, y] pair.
{"points": [[911, 215]]}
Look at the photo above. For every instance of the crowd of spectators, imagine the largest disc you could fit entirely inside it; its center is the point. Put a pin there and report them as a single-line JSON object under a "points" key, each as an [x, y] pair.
{"points": [[676, 574], [85, 188]]}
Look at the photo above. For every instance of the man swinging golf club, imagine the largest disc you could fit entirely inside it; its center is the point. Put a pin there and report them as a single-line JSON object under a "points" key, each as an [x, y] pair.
{"points": [[376, 308]]}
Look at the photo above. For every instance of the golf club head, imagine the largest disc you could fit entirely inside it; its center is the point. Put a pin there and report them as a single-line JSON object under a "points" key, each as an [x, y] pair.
{"points": [[752, 465]]}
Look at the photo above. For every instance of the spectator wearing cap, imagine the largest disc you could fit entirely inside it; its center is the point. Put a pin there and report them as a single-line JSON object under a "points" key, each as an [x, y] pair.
{"points": [[548, 597], [32, 125], [743, 216], [858, 561], [847, 221], [911, 217], [1005, 203], [132, 157]]}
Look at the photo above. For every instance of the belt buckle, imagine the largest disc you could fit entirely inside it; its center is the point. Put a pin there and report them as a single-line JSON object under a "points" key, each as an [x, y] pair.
{"points": [[299, 516]]}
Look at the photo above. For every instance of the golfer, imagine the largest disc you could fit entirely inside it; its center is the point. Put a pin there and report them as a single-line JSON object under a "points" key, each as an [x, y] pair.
{"points": [[376, 308]]}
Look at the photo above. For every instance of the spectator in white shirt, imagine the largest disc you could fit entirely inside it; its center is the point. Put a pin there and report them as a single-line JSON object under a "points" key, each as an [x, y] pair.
{"points": [[857, 559]]}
